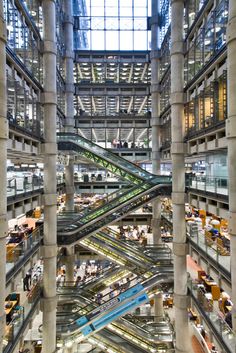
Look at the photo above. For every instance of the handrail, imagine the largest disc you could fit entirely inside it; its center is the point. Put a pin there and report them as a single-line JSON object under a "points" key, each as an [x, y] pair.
{"points": [[27, 247], [214, 320]]}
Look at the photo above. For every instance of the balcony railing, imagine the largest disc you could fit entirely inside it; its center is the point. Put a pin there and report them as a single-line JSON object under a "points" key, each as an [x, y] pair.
{"points": [[209, 184], [215, 318], [18, 253], [18, 186]]}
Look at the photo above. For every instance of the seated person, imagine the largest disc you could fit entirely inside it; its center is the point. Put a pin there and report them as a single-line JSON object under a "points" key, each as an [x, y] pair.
{"points": [[228, 303], [14, 239], [226, 243], [214, 232], [228, 319]]}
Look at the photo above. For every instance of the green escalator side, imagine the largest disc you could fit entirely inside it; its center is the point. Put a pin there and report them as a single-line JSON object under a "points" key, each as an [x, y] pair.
{"points": [[147, 187], [108, 160], [112, 212]]}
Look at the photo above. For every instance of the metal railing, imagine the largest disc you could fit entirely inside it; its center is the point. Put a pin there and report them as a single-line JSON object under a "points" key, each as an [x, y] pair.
{"points": [[19, 186], [16, 327], [223, 333], [17, 255], [209, 184]]}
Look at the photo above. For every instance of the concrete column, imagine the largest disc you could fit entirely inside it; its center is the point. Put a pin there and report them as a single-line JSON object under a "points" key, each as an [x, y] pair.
{"points": [[70, 263], [49, 250], [156, 221], [3, 172], [69, 66], [231, 138], [158, 306], [178, 177], [69, 97], [70, 190], [156, 133]]}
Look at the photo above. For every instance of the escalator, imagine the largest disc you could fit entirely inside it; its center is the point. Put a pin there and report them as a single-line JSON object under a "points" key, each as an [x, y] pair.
{"points": [[125, 254], [146, 187], [123, 335], [88, 289], [92, 318], [106, 159]]}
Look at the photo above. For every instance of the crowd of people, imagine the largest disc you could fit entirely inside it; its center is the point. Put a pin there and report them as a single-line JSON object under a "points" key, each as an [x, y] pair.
{"points": [[134, 232]]}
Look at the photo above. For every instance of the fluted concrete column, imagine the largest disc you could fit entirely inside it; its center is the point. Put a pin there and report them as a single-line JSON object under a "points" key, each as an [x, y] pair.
{"points": [[178, 177], [69, 97], [156, 230], [158, 306], [50, 192], [3, 172], [231, 138], [70, 190], [70, 264]]}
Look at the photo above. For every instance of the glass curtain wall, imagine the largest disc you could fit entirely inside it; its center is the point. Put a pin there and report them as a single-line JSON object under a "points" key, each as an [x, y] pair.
{"points": [[112, 24]]}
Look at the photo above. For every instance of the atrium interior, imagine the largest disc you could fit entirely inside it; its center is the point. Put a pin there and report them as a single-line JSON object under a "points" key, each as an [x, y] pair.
{"points": [[118, 176]]}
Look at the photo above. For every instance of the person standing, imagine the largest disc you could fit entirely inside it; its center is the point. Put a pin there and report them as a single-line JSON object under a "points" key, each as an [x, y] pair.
{"points": [[27, 281]]}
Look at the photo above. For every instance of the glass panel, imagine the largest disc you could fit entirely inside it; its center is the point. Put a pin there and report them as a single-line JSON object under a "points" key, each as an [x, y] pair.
{"points": [[84, 22], [97, 23], [126, 8], [112, 40], [140, 40], [126, 40], [112, 23], [98, 40], [126, 23], [97, 8], [140, 8], [111, 8], [140, 23]]}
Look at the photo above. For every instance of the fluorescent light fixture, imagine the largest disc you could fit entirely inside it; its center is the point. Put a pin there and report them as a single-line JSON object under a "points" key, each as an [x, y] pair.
{"points": [[130, 133], [81, 133], [142, 133]]}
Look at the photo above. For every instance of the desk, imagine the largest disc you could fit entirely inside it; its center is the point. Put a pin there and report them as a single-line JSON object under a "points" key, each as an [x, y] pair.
{"points": [[12, 253], [13, 304], [208, 283]]}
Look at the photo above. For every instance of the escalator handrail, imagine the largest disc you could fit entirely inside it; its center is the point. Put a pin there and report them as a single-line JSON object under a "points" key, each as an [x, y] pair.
{"points": [[95, 211], [156, 279], [113, 210], [136, 169]]}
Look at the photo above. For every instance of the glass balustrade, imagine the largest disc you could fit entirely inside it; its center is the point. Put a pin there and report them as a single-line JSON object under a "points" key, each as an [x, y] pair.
{"points": [[15, 252], [215, 316], [21, 314], [18, 186], [212, 249], [209, 184]]}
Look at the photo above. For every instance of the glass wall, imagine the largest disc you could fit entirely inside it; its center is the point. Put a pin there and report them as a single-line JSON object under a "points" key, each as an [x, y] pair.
{"points": [[22, 40], [112, 24], [23, 107], [207, 108], [209, 41]]}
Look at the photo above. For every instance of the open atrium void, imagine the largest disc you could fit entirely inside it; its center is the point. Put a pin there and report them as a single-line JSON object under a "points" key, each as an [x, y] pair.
{"points": [[118, 176]]}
